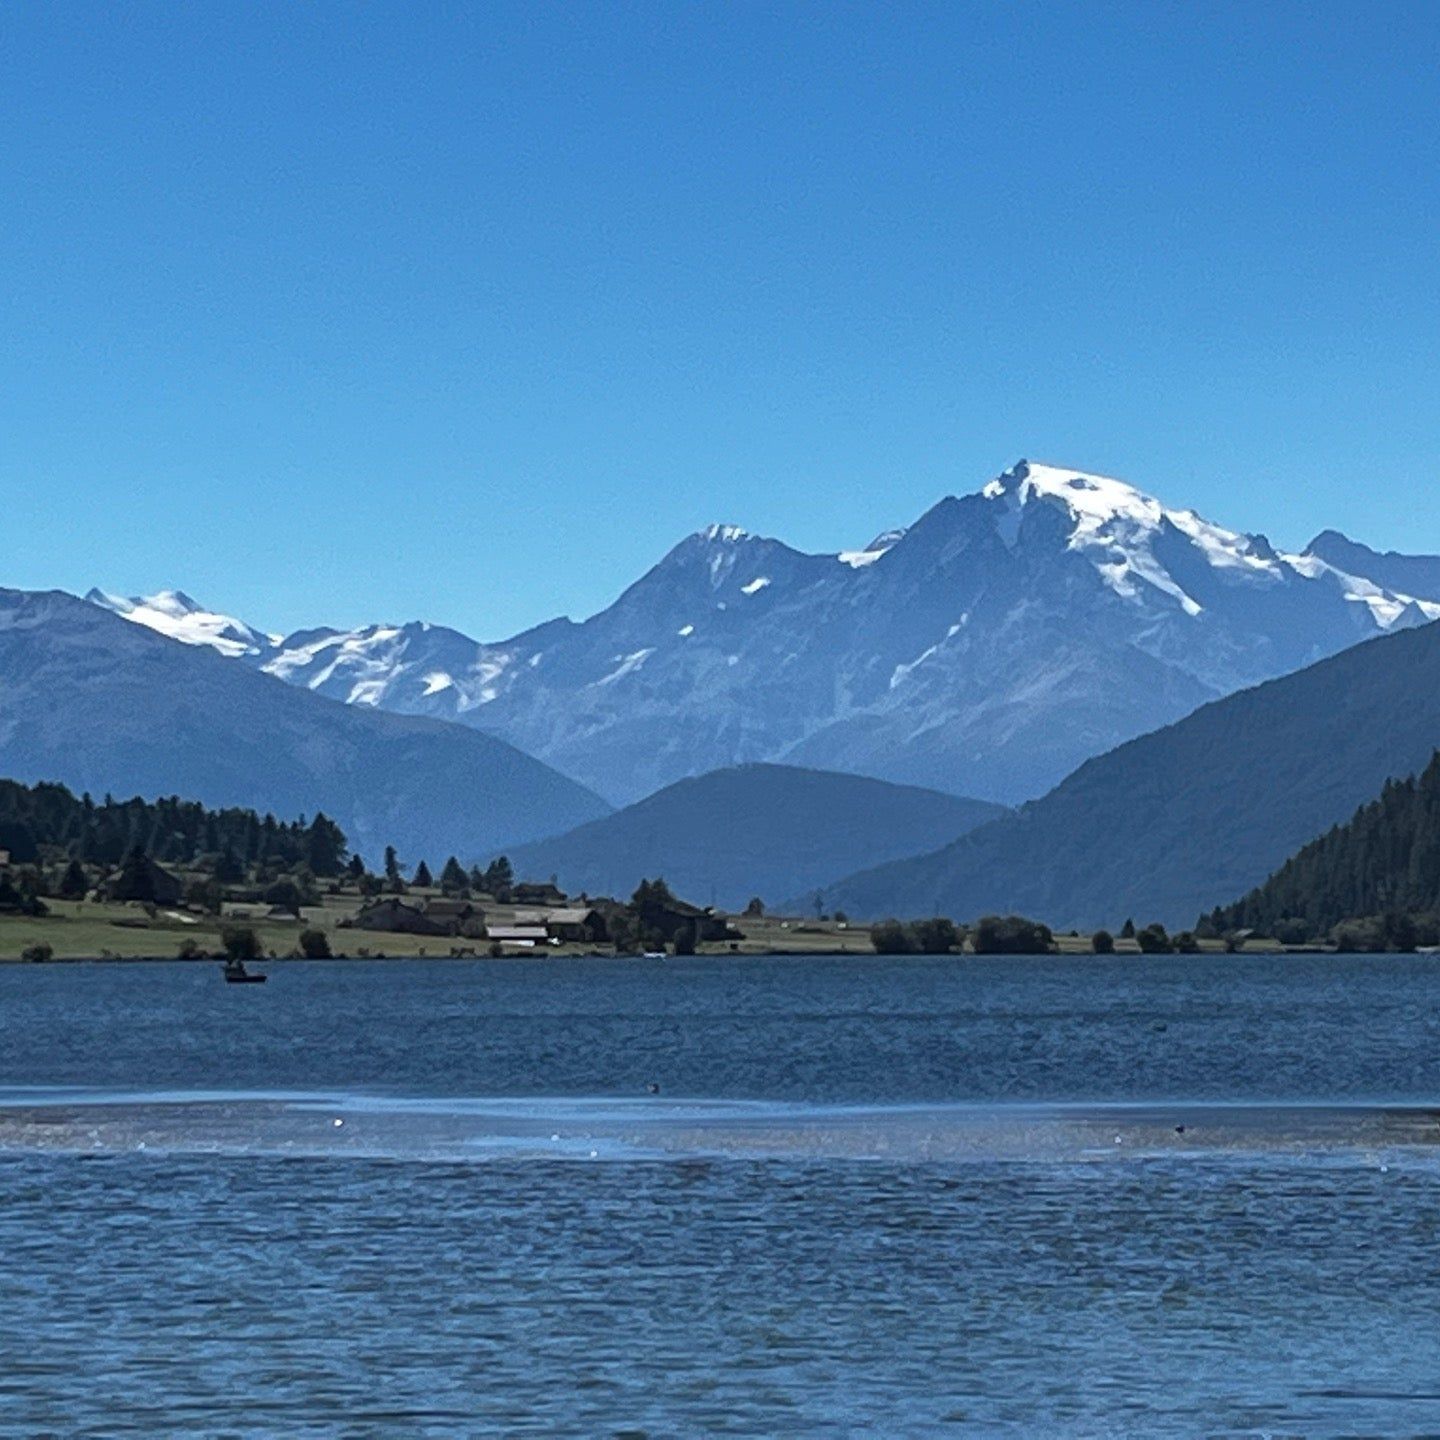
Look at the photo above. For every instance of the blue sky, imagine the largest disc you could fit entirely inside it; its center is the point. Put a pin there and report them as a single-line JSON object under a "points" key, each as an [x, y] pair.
{"points": [[340, 313]]}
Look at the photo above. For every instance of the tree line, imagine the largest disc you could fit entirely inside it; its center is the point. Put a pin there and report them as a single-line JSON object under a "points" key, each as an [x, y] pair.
{"points": [[991, 935], [1017, 935], [45, 820]]}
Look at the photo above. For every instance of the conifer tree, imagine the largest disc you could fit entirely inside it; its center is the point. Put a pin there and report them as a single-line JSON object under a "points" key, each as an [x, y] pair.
{"points": [[135, 881]]}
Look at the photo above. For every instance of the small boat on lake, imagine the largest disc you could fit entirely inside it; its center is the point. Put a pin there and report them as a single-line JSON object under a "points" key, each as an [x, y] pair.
{"points": [[237, 974]]}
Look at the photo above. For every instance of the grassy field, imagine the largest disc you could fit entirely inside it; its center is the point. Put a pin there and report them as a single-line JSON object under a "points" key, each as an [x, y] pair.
{"points": [[772, 935], [89, 930]]}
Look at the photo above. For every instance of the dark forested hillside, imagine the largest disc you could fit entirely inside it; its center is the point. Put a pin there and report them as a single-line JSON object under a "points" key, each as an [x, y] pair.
{"points": [[1386, 860], [36, 817]]}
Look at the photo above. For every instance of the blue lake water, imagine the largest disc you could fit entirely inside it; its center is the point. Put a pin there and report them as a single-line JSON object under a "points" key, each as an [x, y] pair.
{"points": [[1029, 1197]]}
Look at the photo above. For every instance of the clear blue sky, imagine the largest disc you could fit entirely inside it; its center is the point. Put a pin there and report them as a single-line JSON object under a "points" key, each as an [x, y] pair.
{"points": [[335, 313]]}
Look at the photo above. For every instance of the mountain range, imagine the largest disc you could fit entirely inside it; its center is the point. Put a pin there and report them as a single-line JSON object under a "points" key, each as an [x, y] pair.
{"points": [[1412, 574], [752, 830], [1167, 826], [987, 650], [108, 707]]}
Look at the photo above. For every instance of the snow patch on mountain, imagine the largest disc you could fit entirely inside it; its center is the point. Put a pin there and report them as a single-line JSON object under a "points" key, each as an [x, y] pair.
{"points": [[1387, 607], [174, 613], [416, 669], [1224, 549], [902, 671], [880, 545], [629, 664]]}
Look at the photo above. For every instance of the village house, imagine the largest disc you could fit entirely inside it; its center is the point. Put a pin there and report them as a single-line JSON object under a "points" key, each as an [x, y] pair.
{"points": [[530, 892], [667, 918], [144, 880], [577, 925], [457, 917], [393, 916]]}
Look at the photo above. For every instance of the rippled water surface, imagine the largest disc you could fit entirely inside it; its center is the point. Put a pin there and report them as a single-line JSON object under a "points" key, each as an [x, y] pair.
{"points": [[1039, 1197]]}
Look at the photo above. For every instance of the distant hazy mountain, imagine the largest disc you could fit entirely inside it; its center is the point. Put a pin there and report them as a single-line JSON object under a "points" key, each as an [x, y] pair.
{"points": [[766, 830], [104, 706], [986, 650], [1208, 807], [1409, 574]]}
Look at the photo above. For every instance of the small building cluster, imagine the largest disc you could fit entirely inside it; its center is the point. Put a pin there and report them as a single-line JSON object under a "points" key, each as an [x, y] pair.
{"points": [[140, 878], [540, 915], [527, 925]]}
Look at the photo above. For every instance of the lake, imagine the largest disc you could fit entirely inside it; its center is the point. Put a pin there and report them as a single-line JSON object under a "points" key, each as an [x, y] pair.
{"points": [[1192, 1195]]}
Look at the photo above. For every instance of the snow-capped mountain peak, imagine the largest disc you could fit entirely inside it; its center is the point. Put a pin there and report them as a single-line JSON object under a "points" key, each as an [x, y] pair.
{"points": [[1107, 511], [174, 613], [1131, 537], [1095, 500], [1123, 529]]}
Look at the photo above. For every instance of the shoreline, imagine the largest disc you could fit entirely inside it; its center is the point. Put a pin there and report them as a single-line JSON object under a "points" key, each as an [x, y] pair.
{"points": [[1273, 952], [545, 955]]}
